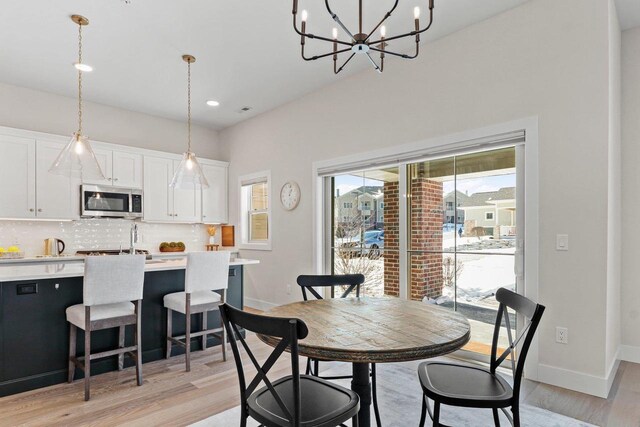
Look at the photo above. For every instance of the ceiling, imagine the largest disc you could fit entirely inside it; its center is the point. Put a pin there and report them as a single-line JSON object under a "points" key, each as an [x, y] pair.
{"points": [[247, 53], [628, 13]]}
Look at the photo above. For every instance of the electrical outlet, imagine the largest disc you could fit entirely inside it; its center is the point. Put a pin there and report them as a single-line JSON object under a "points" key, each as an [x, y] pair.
{"points": [[562, 335], [288, 289]]}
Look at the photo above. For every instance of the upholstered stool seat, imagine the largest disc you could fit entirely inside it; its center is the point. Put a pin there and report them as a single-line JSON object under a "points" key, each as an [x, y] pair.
{"points": [[75, 313], [205, 273], [177, 300]]}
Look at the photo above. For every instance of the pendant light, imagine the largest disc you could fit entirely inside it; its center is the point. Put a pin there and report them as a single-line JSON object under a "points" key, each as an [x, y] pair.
{"points": [[189, 174], [77, 158]]}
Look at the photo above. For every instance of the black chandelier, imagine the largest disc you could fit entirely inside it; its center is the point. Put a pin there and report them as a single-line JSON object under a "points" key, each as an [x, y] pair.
{"points": [[360, 42]]}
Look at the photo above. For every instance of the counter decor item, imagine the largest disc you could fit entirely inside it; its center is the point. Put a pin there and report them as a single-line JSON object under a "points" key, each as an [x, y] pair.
{"points": [[172, 247], [12, 252], [211, 231], [228, 235]]}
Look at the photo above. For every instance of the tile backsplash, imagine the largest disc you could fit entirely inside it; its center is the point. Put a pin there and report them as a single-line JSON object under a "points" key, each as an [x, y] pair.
{"points": [[99, 233]]}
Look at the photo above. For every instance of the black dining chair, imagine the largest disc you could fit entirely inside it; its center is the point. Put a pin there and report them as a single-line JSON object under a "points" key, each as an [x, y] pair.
{"points": [[294, 400], [475, 386], [352, 282]]}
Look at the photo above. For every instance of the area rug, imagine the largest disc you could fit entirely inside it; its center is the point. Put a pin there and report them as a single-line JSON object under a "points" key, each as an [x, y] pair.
{"points": [[399, 397]]}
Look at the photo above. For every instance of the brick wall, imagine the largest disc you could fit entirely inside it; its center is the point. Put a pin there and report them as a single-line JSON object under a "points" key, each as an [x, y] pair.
{"points": [[426, 234]]}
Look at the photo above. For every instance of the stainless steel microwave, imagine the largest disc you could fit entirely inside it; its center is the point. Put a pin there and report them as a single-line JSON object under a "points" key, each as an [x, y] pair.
{"points": [[110, 202]]}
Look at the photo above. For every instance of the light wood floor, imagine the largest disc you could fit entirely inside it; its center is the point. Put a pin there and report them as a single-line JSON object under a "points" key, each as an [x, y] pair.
{"points": [[172, 397]]}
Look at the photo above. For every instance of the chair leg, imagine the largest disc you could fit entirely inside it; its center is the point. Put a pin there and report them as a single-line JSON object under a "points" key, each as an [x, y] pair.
{"points": [[73, 333], [374, 390], [223, 335], [423, 414], [316, 367], [354, 421], [138, 339], [436, 414], [308, 370], [121, 345], [204, 328], [187, 354], [87, 363], [496, 417], [169, 331], [516, 414]]}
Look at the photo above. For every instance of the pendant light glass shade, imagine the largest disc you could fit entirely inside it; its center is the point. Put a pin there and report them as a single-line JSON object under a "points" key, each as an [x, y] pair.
{"points": [[77, 160], [189, 174]]}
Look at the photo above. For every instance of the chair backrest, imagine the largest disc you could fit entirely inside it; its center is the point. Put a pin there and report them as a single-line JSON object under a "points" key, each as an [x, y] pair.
{"points": [[207, 271], [289, 331], [352, 281], [112, 279], [532, 313]]}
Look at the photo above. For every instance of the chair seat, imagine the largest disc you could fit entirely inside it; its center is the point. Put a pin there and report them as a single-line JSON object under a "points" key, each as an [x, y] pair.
{"points": [[464, 385], [177, 300], [323, 403], [75, 313]]}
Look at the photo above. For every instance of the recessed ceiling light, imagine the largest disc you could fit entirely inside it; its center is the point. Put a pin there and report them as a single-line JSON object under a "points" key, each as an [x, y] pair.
{"points": [[212, 103], [83, 67]]}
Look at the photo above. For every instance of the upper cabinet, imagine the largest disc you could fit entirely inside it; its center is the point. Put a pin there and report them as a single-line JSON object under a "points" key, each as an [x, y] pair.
{"points": [[214, 198], [17, 177], [120, 168], [57, 196]]}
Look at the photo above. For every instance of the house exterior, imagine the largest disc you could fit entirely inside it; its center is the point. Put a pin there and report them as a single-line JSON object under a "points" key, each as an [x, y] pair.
{"points": [[495, 211], [450, 214], [363, 204]]}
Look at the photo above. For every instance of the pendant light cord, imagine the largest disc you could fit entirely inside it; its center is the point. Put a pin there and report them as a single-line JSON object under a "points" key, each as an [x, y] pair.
{"points": [[79, 80], [189, 105]]}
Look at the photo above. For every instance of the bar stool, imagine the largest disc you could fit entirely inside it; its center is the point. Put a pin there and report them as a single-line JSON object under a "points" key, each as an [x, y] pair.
{"points": [[206, 272], [112, 298]]}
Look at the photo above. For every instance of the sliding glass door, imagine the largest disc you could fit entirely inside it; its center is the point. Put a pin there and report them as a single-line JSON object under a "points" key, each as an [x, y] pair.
{"points": [[463, 234]]}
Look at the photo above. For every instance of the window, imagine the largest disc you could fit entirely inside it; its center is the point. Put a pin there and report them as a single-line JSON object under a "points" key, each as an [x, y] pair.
{"points": [[255, 211], [488, 216], [449, 206], [381, 205], [348, 205]]}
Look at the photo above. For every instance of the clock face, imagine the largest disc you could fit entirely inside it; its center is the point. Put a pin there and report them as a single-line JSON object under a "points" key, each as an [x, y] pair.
{"points": [[290, 195]]}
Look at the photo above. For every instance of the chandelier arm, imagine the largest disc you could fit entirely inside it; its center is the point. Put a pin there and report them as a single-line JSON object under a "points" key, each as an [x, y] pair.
{"points": [[313, 58], [373, 63], [313, 36], [343, 65], [337, 19], [382, 20], [401, 55], [412, 33]]}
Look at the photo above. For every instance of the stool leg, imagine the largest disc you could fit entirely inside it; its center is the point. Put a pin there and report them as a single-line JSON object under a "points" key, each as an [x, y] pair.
{"points": [[138, 339], [204, 328], [169, 331], [121, 344], [73, 334], [223, 335], [87, 352], [188, 333]]}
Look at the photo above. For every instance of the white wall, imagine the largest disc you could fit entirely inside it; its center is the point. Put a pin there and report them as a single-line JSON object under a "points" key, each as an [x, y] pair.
{"points": [[614, 214], [547, 58], [631, 194], [30, 109]]}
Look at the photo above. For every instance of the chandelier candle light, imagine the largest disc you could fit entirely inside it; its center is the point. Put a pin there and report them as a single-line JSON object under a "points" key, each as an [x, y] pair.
{"points": [[360, 43], [77, 158], [189, 174]]}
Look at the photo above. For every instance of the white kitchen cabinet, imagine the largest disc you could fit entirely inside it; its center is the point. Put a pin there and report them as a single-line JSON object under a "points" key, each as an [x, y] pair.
{"points": [[17, 177], [158, 197], [57, 196], [162, 203], [120, 168], [214, 198]]}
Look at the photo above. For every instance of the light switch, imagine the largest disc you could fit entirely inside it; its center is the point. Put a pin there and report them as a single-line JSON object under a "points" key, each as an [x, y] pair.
{"points": [[562, 242]]}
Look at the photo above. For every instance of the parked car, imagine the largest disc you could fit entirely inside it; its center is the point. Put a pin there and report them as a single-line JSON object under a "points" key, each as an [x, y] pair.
{"points": [[371, 244]]}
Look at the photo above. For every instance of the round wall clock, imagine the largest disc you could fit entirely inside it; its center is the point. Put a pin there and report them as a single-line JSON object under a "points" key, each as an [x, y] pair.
{"points": [[290, 195]]}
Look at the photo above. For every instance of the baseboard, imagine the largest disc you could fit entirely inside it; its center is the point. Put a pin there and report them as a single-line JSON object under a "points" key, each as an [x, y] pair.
{"points": [[630, 353], [258, 304], [579, 381]]}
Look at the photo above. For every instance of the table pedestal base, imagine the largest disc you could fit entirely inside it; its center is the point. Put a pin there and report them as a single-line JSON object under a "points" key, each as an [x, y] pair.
{"points": [[361, 384]]}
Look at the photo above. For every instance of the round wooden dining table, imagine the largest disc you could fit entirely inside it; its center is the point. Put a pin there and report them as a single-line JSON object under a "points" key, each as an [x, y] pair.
{"points": [[369, 330]]}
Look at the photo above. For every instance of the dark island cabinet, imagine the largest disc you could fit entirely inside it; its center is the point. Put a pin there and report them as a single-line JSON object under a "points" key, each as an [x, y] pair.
{"points": [[34, 333]]}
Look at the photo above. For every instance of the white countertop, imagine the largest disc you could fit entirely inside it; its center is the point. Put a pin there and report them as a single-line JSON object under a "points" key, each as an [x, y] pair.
{"points": [[52, 270]]}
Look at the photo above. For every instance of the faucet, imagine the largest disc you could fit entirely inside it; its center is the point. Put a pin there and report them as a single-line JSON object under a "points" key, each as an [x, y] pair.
{"points": [[133, 238]]}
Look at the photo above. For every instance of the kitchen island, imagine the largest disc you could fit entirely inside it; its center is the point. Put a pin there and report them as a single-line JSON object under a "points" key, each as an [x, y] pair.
{"points": [[34, 333]]}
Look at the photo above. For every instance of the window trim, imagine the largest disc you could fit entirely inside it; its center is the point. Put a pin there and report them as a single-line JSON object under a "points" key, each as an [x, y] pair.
{"points": [[486, 216], [243, 212]]}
